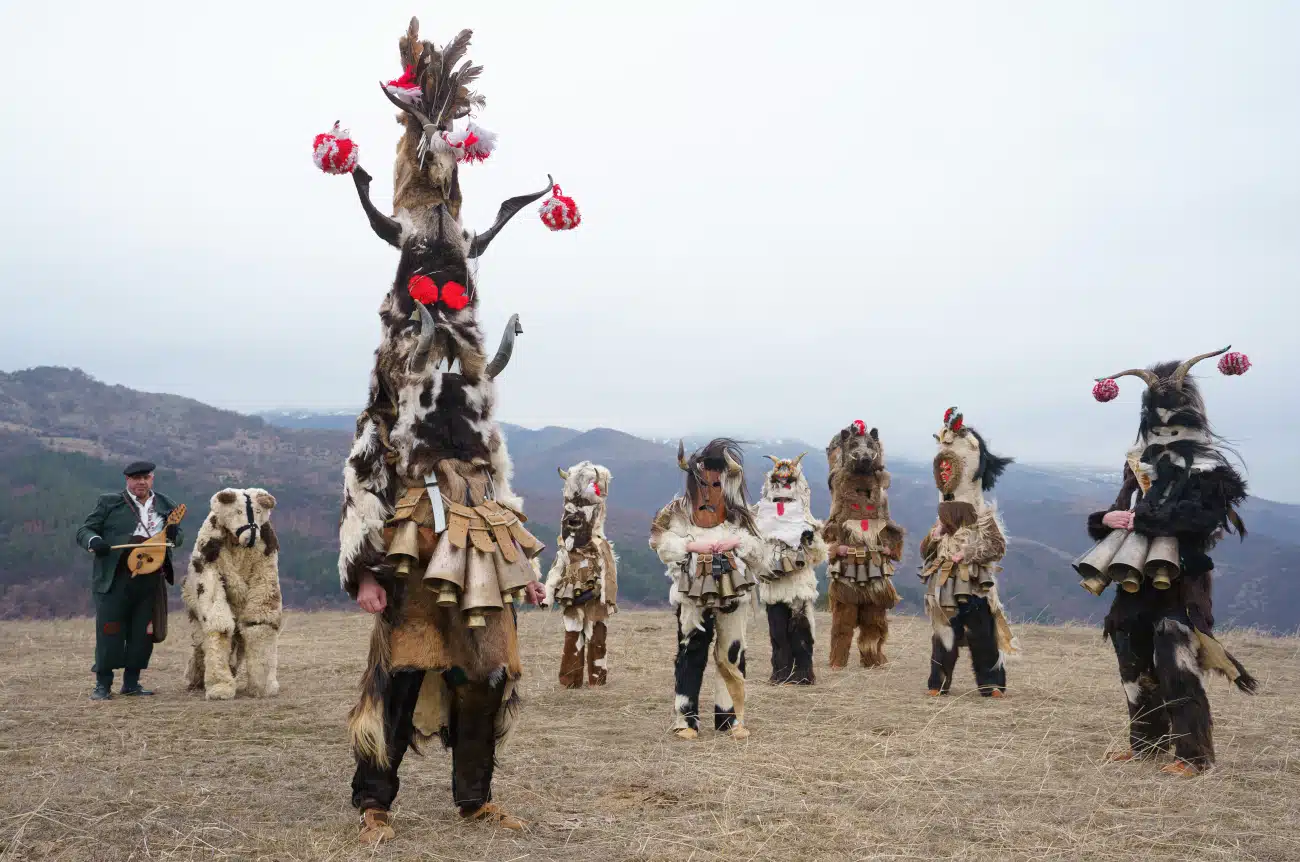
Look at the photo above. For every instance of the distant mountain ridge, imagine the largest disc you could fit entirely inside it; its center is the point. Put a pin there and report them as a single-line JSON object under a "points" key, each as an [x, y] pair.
{"points": [[64, 436]]}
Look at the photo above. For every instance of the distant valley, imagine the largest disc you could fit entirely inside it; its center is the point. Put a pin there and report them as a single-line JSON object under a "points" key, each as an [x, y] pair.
{"points": [[64, 435]]}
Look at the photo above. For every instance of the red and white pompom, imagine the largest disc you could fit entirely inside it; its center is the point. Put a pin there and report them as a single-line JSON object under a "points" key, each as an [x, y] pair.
{"points": [[334, 152], [1105, 390], [859, 427], [472, 144], [404, 88], [559, 212], [952, 419], [1233, 364]]}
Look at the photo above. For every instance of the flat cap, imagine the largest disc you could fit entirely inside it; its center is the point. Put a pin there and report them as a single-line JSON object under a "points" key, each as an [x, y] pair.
{"points": [[138, 468]]}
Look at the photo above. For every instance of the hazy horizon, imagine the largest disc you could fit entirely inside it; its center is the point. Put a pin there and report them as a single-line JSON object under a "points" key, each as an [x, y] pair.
{"points": [[867, 211]]}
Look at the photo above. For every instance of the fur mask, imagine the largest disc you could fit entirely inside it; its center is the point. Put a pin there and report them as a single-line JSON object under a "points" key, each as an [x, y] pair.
{"points": [[856, 449], [964, 467], [586, 486], [242, 512], [785, 482]]}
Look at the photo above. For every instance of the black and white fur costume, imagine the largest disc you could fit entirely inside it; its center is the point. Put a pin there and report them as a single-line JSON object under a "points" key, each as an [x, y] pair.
{"points": [[704, 612], [1163, 637], [794, 547]]}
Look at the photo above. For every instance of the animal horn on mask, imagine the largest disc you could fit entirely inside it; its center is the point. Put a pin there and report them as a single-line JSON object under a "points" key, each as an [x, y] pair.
{"points": [[1181, 371], [733, 466], [681, 456], [564, 474], [798, 459], [773, 459]]}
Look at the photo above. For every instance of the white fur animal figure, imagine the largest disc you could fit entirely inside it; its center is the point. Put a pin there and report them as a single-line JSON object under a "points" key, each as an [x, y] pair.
{"points": [[232, 595]]}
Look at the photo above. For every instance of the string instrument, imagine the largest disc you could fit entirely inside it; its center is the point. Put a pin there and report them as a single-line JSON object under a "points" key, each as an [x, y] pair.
{"points": [[147, 557]]}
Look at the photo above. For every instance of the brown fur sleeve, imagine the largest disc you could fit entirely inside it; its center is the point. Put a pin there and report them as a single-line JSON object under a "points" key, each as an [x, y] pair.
{"points": [[929, 544], [986, 543], [892, 538]]}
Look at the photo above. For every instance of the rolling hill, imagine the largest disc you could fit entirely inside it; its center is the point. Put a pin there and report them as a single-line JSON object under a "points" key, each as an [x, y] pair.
{"points": [[64, 435]]}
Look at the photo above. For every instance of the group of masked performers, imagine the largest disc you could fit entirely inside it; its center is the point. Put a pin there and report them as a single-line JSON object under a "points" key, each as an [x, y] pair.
{"points": [[433, 542]]}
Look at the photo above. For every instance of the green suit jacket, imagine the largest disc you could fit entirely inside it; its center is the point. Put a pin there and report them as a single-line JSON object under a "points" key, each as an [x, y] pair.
{"points": [[114, 520]]}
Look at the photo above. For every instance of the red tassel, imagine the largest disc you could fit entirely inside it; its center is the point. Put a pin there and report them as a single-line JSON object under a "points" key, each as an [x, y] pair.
{"points": [[1234, 364], [1105, 390], [334, 152], [559, 212]]}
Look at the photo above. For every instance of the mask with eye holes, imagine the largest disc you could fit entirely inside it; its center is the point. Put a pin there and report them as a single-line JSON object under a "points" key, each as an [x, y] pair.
{"points": [[715, 484], [586, 489], [964, 468]]}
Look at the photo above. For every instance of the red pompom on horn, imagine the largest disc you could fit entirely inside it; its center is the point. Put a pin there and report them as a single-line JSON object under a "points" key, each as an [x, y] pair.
{"points": [[859, 427], [559, 212], [334, 152], [1233, 364], [1105, 390]]}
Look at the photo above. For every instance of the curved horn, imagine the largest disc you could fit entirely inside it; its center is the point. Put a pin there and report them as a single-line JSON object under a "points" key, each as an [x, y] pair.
{"points": [[498, 363], [773, 459], [800, 458], [504, 214], [1181, 371], [564, 474], [681, 456], [385, 227], [410, 109], [732, 467], [1150, 378]]}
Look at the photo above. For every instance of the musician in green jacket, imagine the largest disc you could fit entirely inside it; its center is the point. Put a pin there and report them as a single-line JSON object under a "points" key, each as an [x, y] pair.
{"points": [[124, 605]]}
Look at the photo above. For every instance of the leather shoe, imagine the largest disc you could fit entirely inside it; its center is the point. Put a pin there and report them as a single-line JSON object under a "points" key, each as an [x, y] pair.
{"points": [[101, 692], [135, 691]]}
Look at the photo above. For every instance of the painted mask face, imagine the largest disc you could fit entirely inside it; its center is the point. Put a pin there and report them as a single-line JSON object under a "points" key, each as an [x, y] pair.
{"points": [[956, 464], [858, 449], [785, 482], [577, 526], [710, 504]]}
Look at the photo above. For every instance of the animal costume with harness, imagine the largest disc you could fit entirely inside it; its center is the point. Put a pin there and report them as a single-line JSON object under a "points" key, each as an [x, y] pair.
{"points": [[232, 596], [130, 608], [583, 580], [1179, 496], [428, 511], [709, 542], [959, 559], [864, 545], [794, 546]]}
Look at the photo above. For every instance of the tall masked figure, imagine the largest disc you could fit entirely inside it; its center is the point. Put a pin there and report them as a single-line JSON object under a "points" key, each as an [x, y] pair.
{"points": [[431, 535], [959, 562], [583, 580], [714, 553], [794, 547], [864, 544], [1179, 496]]}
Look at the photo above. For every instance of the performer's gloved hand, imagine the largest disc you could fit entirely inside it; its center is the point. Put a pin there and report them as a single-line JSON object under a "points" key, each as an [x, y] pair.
{"points": [[726, 545], [172, 530], [98, 547], [1118, 520], [807, 538], [958, 557], [534, 592]]}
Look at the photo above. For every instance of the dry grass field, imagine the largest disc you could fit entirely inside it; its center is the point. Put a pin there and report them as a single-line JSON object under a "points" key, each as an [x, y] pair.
{"points": [[861, 766]]}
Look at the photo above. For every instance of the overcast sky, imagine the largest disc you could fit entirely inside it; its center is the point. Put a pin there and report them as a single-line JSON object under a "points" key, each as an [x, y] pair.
{"points": [[794, 215]]}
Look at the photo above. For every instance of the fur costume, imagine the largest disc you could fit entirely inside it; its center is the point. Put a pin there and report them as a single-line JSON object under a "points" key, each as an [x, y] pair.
{"points": [[1178, 483], [428, 511], [710, 585], [861, 583], [583, 580], [794, 547], [232, 597], [959, 559]]}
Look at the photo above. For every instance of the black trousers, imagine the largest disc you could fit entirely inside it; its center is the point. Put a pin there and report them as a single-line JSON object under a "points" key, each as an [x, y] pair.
{"points": [[122, 617], [792, 643], [1158, 667], [471, 736], [973, 625]]}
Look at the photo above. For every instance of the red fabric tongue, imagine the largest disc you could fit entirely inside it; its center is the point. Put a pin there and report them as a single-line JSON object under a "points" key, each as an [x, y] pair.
{"points": [[866, 525], [780, 508]]}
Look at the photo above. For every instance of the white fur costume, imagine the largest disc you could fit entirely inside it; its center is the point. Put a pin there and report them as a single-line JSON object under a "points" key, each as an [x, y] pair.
{"points": [[232, 595]]}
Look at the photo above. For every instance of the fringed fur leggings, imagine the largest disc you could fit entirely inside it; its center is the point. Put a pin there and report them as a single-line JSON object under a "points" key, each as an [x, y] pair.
{"points": [[471, 736], [791, 631], [728, 657], [1161, 675], [973, 626]]}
